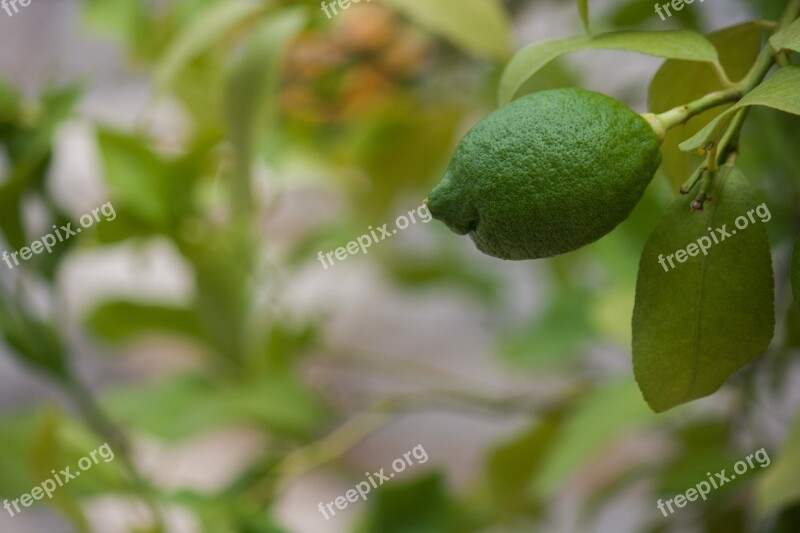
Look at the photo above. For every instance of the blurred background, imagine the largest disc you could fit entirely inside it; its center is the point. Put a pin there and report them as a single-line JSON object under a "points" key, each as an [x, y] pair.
{"points": [[240, 383]]}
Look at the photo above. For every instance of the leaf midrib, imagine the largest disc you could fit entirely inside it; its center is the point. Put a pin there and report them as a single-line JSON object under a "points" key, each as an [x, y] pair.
{"points": [[700, 283]]}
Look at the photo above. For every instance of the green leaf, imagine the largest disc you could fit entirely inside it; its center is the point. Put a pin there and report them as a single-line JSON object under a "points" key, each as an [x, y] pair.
{"points": [[673, 44], [635, 13], [583, 11], [678, 82], [778, 487], [480, 27], [788, 38], [185, 406], [697, 323], [35, 342], [15, 448], [29, 450], [206, 30], [608, 414], [512, 466], [137, 176], [420, 506], [703, 447], [780, 91], [122, 321], [252, 90], [47, 453], [554, 340], [11, 216]]}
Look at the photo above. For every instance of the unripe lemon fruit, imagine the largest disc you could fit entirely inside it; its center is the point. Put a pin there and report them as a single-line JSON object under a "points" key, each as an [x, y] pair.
{"points": [[547, 174]]}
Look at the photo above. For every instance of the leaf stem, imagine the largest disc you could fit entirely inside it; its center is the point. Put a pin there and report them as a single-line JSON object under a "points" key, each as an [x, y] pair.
{"points": [[722, 76], [729, 144], [679, 115], [733, 92]]}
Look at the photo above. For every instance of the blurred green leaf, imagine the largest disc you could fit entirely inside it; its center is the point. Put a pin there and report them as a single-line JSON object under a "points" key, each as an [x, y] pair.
{"points": [[419, 506], [28, 147], [223, 513], [480, 27], [120, 321], [779, 91], [696, 324], [678, 82], [674, 44], [207, 29], [428, 134], [607, 414], [252, 90], [778, 487], [223, 263], [285, 342], [9, 105], [18, 431], [11, 217], [703, 447], [445, 268], [33, 341], [788, 38], [583, 11], [34, 443], [512, 466], [554, 339], [637, 12], [185, 406], [46, 455], [137, 176], [115, 17]]}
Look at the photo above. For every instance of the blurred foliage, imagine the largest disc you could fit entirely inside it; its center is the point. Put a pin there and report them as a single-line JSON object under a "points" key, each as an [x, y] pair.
{"points": [[373, 100]]}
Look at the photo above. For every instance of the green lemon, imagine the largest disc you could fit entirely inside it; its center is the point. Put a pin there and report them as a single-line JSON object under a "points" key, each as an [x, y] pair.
{"points": [[547, 174]]}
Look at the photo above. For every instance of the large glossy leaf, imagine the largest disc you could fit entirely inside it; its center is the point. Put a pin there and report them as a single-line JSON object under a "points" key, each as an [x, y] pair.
{"points": [[697, 323], [778, 487], [780, 91], [674, 44], [678, 82], [207, 29], [478, 26]]}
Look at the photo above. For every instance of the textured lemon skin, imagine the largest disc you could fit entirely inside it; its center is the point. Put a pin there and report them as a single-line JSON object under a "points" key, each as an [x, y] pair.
{"points": [[547, 174]]}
